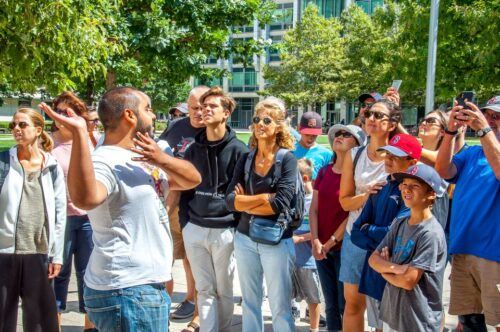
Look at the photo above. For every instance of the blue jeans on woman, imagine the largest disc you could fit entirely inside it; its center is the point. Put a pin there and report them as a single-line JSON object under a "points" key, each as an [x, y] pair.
{"points": [[333, 289], [78, 243], [275, 263], [142, 308]]}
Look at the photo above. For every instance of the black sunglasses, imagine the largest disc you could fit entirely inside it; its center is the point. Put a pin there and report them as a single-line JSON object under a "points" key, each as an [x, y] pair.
{"points": [[344, 134], [94, 121], [21, 124], [366, 105], [378, 115], [61, 112], [267, 121], [430, 121]]}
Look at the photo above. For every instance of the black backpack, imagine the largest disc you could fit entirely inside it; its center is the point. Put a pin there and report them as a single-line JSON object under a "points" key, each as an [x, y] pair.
{"points": [[295, 215]]}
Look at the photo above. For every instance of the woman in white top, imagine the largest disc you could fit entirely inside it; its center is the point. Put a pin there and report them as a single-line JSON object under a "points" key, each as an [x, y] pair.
{"points": [[358, 181]]}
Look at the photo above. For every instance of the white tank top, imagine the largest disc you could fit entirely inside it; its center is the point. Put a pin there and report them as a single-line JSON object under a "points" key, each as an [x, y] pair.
{"points": [[366, 172]]}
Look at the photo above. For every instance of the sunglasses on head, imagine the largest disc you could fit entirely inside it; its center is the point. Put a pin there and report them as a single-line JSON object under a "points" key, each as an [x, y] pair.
{"points": [[366, 105], [21, 124], [344, 134], [267, 121], [378, 115]]}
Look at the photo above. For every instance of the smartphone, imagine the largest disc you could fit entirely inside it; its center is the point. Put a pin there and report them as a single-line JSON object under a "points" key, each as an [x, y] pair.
{"points": [[466, 96], [396, 84]]}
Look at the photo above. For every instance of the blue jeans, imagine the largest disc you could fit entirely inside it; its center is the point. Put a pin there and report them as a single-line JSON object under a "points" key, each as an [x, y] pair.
{"points": [[276, 263], [333, 289], [142, 308], [78, 243]]}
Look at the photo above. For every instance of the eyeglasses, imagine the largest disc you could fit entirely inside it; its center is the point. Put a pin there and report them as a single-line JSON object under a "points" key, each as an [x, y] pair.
{"points": [[378, 115], [21, 124], [431, 121], [366, 105], [344, 134], [62, 112], [492, 115], [93, 121], [267, 121]]}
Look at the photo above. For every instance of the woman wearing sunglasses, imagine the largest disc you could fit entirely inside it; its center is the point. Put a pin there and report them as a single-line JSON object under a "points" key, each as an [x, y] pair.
{"points": [[328, 220], [259, 194], [78, 240], [32, 223], [363, 174]]}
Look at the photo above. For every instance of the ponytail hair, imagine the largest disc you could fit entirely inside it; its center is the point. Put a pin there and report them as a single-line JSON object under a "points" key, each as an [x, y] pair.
{"points": [[46, 142]]}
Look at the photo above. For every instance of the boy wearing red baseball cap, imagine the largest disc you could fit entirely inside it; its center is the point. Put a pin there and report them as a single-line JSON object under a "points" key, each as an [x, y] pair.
{"points": [[378, 214]]}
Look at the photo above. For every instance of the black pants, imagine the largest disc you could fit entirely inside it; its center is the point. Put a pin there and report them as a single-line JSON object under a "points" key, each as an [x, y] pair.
{"points": [[25, 276]]}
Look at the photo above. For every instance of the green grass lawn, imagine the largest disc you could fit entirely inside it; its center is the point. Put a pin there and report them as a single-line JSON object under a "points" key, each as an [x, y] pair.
{"points": [[6, 142]]}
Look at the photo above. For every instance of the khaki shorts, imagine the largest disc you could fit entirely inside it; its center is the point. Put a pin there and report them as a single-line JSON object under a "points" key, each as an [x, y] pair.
{"points": [[175, 229], [475, 287]]}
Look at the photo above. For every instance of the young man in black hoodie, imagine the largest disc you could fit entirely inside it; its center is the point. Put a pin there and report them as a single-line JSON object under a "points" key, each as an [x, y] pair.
{"points": [[208, 234]]}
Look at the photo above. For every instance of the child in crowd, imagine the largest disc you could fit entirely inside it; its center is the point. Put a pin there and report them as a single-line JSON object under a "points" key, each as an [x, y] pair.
{"points": [[378, 213], [306, 280], [412, 257]]}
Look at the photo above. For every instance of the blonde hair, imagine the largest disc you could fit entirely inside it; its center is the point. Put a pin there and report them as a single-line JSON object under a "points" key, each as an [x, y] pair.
{"points": [[284, 138], [46, 142], [305, 167]]}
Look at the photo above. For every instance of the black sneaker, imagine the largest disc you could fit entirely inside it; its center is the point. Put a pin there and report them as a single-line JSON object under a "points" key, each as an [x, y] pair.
{"points": [[183, 310]]}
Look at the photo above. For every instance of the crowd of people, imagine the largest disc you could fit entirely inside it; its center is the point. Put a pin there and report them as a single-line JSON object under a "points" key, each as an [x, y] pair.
{"points": [[366, 226]]}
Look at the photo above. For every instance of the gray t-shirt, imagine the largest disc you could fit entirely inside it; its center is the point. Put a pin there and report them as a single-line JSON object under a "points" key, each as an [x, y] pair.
{"points": [[422, 246], [32, 228]]}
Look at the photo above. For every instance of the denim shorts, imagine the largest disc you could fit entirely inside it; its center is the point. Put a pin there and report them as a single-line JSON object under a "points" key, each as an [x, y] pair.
{"points": [[142, 308], [352, 260]]}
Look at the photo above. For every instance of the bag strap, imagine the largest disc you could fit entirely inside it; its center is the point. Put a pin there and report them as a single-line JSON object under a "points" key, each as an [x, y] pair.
{"points": [[280, 155], [356, 158]]}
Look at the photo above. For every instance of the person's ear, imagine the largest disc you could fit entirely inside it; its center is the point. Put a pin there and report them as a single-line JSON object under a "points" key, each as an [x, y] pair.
{"points": [[431, 195], [39, 131], [130, 117], [412, 162]]}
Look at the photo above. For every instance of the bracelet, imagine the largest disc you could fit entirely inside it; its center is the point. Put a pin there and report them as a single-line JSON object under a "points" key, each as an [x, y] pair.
{"points": [[450, 132]]}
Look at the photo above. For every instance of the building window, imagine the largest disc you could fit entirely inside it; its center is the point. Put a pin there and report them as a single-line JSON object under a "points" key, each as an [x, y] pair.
{"points": [[243, 80], [211, 60], [214, 81], [273, 50], [282, 17], [242, 29], [327, 8], [242, 115], [369, 6]]}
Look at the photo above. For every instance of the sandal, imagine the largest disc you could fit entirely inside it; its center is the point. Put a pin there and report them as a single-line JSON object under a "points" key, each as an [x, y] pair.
{"points": [[192, 327]]}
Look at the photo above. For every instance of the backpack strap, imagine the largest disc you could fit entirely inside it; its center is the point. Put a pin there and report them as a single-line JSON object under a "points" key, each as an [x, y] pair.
{"points": [[356, 158], [248, 169], [278, 165]]}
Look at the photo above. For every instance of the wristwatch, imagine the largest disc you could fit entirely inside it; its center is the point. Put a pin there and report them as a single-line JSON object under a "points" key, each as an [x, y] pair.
{"points": [[481, 132], [334, 239]]}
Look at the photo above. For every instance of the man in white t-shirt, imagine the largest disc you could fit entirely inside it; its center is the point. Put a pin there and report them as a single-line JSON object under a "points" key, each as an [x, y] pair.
{"points": [[123, 186]]}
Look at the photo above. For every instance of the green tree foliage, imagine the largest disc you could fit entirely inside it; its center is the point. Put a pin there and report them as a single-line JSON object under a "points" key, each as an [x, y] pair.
{"points": [[92, 45], [312, 57], [390, 44]]}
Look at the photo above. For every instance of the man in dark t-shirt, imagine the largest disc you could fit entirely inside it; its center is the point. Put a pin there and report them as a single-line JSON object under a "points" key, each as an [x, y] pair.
{"points": [[180, 135]]}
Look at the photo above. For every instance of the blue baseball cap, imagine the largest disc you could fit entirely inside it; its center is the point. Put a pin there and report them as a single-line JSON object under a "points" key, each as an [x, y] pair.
{"points": [[426, 174]]}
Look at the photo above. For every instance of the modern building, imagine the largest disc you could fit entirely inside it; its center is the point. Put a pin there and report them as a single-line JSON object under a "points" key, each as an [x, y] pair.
{"points": [[245, 82]]}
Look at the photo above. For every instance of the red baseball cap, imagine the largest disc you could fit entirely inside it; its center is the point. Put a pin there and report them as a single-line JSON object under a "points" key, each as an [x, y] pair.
{"points": [[404, 145], [311, 124]]}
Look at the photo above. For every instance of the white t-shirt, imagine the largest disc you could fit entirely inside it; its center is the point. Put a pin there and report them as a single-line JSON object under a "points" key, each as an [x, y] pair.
{"points": [[131, 234]]}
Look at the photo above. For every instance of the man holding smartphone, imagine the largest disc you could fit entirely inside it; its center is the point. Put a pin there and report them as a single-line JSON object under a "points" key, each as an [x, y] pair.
{"points": [[474, 231]]}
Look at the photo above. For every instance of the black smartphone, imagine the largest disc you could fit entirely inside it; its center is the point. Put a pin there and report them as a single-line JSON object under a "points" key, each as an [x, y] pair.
{"points": [[466, 96]]}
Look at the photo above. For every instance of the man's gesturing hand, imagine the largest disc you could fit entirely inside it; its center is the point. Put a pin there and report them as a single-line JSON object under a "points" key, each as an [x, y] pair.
{"points": [[148, 149]]}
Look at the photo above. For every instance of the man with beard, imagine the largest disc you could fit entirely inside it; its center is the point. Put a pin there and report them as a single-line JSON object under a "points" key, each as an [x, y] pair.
{"points": [[123, 186]]}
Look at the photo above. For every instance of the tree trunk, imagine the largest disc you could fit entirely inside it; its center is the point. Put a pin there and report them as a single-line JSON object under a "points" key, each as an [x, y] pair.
{"points": [[110, 79], [89, 93]]}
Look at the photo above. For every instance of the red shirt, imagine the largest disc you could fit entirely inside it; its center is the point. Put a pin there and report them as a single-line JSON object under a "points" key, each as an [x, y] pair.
{"points": [[330, 213]]}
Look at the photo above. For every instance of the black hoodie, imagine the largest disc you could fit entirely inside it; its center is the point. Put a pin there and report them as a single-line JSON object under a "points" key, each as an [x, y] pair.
{"points": [[205, 205]]}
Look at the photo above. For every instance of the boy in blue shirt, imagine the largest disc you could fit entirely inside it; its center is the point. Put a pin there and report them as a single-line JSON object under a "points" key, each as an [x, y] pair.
{"points": [[305, 277], [310, 128]]}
